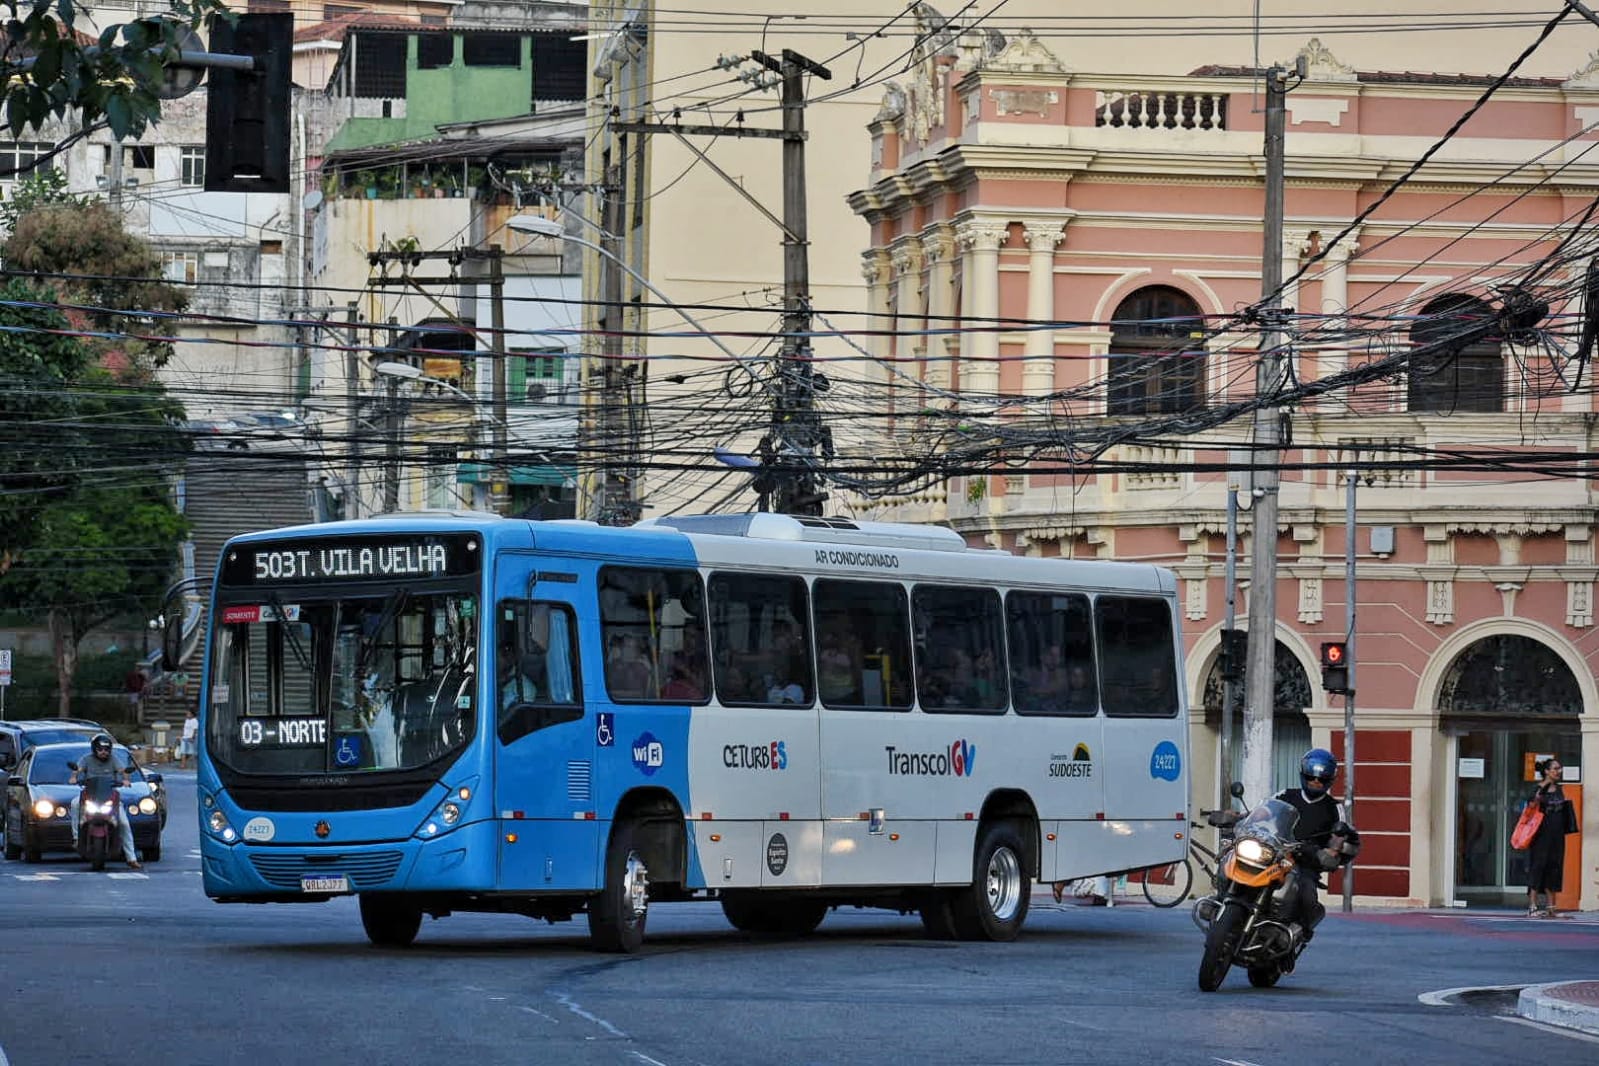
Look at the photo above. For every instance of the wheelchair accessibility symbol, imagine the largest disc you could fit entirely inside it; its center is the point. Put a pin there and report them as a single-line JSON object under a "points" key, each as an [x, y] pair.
{"points": [[605, 730], [347, 752]]}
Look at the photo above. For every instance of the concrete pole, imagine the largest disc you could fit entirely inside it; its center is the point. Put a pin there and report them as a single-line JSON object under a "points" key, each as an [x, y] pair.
{"points": [[1349, 660], [1261, 670], [1229, 686]]}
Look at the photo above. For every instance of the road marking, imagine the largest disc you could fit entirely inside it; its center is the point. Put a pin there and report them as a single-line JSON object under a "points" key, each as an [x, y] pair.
{"points": [[540, 1013], [1557, 1030], [129, 875], [1236, 1062], [645, 1058], [36, 877], [570, 1004]]}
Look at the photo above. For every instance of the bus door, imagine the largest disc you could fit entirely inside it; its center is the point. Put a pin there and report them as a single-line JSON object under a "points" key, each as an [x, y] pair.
{"points": [[544, 745], [1146, 730]]}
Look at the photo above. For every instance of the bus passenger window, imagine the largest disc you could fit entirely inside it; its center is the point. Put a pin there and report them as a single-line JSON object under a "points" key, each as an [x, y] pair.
{"points": [[1051, 654], [1138, 666], [960, 652], [652, 625], [763, 651], [867, 622]]}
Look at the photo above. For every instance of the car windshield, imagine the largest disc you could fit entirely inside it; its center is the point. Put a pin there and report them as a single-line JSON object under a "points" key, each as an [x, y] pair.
{"points": [[37, 737], [52, 766]]}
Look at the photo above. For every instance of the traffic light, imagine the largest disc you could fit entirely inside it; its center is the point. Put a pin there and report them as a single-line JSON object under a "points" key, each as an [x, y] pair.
{"points": [[247, 112], [1335, 666], [1234, 651]]}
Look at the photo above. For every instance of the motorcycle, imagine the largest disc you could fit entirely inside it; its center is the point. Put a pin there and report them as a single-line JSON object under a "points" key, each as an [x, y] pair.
{"points": [[1253, 919], [97, 806]]}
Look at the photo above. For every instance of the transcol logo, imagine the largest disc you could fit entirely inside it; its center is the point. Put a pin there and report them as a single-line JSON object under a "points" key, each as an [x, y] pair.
{"points": [[957, 760]]}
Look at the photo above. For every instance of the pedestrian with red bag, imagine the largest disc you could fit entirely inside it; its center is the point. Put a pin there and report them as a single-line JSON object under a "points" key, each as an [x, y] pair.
{"points": [[1546, 855]]}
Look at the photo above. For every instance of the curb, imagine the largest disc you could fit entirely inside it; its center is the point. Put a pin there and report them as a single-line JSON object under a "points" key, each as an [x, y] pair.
{"points": [[1568, 1004]]}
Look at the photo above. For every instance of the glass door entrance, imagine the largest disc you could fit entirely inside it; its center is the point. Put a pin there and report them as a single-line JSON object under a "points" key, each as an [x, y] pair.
{"points": [[1494, 777]]}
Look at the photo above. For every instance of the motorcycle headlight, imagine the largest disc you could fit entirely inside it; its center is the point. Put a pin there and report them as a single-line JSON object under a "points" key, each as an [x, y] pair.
{"points": [[1253, 851], [147, 806], [44, 808]]}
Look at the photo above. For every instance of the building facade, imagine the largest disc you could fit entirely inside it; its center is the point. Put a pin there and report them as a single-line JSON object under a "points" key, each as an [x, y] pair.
{"points": [[1109, 226]]}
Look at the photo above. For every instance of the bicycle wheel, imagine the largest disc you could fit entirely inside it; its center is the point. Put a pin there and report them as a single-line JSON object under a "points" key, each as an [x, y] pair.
{"points": [[1169, 893]]}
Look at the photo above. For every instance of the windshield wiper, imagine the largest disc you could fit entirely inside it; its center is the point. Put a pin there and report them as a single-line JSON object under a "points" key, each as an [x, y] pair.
{"points": [[391, 608], [288, 630]]}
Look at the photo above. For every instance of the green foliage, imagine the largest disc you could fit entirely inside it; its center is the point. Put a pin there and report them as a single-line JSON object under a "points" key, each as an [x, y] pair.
{"points": [[87, 255], [114, 78], [38, 189]]}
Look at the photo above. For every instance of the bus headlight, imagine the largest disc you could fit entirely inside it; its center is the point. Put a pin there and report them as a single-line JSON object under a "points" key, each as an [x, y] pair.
{"points": [[219, 825], [450, 812]]}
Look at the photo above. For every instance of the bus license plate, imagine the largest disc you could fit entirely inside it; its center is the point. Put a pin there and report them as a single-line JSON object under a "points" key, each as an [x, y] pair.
{"points": [[339, 883]]}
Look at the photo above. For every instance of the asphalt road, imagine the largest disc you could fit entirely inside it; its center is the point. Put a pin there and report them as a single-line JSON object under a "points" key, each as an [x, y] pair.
{"points": [[124, 968]]}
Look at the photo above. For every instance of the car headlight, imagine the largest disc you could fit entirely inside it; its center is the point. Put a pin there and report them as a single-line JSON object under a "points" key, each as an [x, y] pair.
{"points": [[44, 808], [1254, 851], [147, 806]]}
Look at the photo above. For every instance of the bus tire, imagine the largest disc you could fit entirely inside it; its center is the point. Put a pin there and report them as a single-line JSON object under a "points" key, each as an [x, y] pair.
{"points": [[617, 916], [389, 921], [994, 905]]}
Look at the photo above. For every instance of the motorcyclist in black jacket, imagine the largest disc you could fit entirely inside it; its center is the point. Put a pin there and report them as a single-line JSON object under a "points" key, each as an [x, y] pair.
{"points": [[1327, 839]]}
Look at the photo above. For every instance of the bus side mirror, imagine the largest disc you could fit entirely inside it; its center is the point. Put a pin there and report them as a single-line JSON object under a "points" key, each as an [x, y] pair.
{"points": [[1237, 790]]}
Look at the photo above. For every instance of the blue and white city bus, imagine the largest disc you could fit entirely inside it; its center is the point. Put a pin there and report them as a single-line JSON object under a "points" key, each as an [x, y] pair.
{"points": [[457, 712]]}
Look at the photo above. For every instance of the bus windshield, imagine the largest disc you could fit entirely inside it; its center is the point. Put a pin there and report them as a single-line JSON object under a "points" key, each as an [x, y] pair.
{"points": [[378, 682]]}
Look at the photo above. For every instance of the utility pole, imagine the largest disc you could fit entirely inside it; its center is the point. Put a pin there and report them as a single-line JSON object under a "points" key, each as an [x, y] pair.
{"points": [[796, 434], [1229, 682], [391, 466], [352, 397], [1349, 659], [611, 430], [1261, 668], [499, 496]]}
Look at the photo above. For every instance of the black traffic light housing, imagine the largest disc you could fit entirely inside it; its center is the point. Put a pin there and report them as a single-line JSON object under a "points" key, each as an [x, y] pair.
{"points": [[1234, 652], [247, 112], [1335, 666]]}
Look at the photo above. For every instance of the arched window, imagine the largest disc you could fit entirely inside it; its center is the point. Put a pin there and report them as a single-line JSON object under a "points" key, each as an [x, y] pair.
{"points": [[1456, 365], [1290, 730], [1156, 367], [1513, 679]]}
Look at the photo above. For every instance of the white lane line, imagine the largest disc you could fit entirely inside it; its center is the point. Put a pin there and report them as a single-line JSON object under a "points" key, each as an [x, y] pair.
{"points": [[570, 1004], [36, 877], [3, 1060], [645, 1058], [129, 875], [1556, 1030], [1442, 997], [539, 1013], [1236, 1062]]}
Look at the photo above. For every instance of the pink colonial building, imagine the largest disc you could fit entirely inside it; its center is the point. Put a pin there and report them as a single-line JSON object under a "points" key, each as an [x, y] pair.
{"points": [[1007, 186]]}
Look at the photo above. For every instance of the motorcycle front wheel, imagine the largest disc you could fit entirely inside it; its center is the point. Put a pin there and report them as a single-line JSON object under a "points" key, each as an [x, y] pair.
{"points": [[97, 853], [1221, 943], [1265, 976]]}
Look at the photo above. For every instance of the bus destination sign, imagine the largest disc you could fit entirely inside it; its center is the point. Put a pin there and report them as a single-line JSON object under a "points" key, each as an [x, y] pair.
{"points": [[307, 562]]}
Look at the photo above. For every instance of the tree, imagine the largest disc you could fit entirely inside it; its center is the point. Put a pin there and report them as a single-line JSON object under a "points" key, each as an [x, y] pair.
{"points": [[38, 364], [49, 67], [108, 279], [107, 545]]}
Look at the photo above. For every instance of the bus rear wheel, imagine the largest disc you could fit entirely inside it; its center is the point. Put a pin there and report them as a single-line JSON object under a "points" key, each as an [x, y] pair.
{"points": [[994, 905], [617, 916], [389, 921]]}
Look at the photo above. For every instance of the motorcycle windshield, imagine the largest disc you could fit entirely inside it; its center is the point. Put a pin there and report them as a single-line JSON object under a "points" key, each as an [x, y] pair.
{"points": [[98, 789], [1274, 818]]}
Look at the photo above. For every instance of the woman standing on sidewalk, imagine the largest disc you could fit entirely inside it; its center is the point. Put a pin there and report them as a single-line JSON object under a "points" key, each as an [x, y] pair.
{"points": [[1546, 858]]}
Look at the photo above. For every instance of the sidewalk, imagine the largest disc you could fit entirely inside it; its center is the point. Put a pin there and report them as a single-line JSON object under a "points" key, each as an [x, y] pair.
{"points": [[1570, 1004]]}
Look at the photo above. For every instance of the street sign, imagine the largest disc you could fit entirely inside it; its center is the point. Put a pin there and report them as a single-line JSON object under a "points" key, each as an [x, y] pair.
{"points": [[5, 666]]}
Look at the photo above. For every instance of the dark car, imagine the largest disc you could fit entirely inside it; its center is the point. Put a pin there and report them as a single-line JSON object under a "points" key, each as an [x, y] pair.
{"points": [[17, 737], [38, 803]]}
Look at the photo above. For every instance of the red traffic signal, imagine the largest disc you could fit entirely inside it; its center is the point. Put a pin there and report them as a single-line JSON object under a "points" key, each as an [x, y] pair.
{"points": [[1334, 653], [1335, 667]]}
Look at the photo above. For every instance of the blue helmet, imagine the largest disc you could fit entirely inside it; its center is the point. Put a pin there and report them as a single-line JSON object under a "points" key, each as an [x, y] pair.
{"points": [[1317, 769]]}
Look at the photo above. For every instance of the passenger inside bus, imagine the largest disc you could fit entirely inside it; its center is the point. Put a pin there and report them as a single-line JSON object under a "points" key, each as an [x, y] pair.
{"points": [[627, 672]]}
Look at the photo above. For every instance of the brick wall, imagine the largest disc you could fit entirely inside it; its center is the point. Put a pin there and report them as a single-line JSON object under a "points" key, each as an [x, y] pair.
{"points": [[1382, 811]]}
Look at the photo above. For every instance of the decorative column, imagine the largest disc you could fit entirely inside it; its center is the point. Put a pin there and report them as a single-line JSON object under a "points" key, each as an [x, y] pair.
{"points": [[1335, 300], [938, 251], [1439, 574], [1038, 365], [874, 269], [1579, 574], [909, 310], [980, 365], [1295, 243]]}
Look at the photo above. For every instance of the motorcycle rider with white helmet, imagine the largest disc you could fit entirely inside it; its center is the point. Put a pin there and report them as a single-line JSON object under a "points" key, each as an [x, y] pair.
{"points": [[103, 761]]}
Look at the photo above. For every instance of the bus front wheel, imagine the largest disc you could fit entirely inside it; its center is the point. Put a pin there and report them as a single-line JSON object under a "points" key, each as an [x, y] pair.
{"points": [[618, 914], [389, 921], [994, 905]]}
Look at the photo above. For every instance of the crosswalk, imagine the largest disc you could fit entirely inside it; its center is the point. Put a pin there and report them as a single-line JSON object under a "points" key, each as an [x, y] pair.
{"points": [[37, 875]]}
